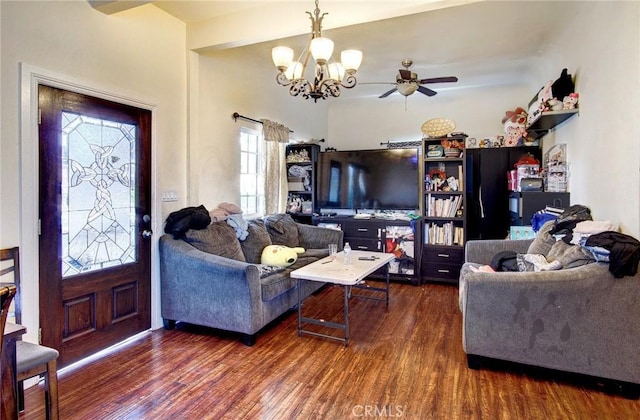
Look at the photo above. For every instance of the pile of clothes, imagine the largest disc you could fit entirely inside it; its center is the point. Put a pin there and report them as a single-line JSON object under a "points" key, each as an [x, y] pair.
{"points": [[179, 222], [577, 240], [232, 214], [601, 238]]}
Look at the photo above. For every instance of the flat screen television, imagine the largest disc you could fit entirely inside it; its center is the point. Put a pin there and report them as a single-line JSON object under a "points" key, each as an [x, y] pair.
{"points": [[383, 179]]}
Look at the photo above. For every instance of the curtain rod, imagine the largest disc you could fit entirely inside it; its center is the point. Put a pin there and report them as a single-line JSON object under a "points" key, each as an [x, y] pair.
{"points": [[401, 144], [235, 117]]}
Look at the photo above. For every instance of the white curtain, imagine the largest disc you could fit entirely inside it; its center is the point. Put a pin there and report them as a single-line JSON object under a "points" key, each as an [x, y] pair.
{"points": [[276, 137]]}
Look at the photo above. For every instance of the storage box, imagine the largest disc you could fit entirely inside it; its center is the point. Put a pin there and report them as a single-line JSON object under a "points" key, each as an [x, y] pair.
{"points": [[531, 184], [526, 171], [521, 232]]}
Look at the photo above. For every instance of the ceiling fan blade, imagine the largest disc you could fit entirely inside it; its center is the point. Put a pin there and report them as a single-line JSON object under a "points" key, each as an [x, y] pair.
{"points": [[427, 91], [405, 74], [376, 83], [439, 80], [384, 95]]}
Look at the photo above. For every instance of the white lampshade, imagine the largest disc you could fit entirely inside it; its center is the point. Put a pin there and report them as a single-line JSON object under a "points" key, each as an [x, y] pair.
{"points": [[282, 57], [407, 89], [321, 49], [336, 71], [351, 60], [294, 71]]}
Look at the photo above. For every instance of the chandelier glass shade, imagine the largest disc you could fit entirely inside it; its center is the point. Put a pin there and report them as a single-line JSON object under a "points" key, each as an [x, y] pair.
{"points": [[328, 76]]}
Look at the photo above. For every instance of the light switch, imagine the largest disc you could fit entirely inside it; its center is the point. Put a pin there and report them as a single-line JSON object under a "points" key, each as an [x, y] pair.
{"points": [[168, 196]]}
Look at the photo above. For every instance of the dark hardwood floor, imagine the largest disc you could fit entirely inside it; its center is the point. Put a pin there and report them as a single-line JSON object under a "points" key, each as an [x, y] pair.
{"points": [[402, 362]]}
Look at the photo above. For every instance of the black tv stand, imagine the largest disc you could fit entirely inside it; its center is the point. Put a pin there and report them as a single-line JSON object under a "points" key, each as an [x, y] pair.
{"points": [[401, 237]]}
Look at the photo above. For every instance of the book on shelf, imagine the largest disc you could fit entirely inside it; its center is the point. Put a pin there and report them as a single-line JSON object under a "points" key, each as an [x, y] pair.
{"points": [[444, 234], [443, 207]]}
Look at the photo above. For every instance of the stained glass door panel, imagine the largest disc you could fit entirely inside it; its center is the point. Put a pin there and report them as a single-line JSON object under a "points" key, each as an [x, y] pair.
{"points": [[98, 193]]}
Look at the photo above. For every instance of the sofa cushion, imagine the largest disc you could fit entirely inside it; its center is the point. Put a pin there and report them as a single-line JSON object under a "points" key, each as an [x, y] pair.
{"points": [[276, 282], [273, 285], [282, 229], [543, 241], [218, 238], [255, 242]]}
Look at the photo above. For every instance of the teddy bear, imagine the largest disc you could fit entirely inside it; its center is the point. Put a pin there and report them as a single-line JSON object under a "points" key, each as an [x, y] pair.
{"points": [[514, 123], [570, 101], [280, 255]]}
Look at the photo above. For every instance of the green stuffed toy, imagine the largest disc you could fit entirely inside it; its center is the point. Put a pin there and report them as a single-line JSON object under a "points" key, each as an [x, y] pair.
{"points": [[280, 255]]}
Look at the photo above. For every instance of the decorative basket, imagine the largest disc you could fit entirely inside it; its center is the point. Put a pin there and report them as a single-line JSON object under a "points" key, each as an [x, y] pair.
{"points": [[438, 127]]}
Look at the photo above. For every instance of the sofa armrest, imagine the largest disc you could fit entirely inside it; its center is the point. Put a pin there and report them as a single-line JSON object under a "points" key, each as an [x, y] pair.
{"points": [[206, 289], [481, 251], [316, 237]]}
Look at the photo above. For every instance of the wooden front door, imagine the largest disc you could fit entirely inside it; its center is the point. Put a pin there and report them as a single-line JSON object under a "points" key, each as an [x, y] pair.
{"points": [[95, 207]]}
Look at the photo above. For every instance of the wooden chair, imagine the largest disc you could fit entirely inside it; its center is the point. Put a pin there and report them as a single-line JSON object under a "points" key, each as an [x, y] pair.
{"points": [[7, 293], [36, 360], [10, 264], [31, 359]]}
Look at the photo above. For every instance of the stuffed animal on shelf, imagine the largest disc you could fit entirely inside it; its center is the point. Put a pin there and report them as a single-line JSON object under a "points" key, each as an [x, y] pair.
{"points": [[280, 255], [541, 104], [570, 101], [514, 126]]}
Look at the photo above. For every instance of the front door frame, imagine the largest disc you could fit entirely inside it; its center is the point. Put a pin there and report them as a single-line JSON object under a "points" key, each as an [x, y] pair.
{"points": [[30, 78]]}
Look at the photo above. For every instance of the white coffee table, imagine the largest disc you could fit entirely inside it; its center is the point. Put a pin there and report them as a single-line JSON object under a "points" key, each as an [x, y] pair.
{"points": [[349, 276]]}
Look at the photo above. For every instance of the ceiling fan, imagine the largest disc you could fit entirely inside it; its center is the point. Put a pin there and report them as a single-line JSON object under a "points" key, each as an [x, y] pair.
{"points": [[407, 82]]}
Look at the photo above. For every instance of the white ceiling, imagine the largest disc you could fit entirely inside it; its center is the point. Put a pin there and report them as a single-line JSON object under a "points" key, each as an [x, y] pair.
{"points": [[480, 42]]}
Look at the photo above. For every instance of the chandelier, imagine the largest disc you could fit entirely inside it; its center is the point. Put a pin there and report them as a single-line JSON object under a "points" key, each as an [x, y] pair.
{"points": [[328, 77]]}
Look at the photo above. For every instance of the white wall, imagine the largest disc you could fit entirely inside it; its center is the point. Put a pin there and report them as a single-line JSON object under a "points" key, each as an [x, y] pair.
{"points": [[243, 81], [601, 47], [364, 123], [139, 54]]}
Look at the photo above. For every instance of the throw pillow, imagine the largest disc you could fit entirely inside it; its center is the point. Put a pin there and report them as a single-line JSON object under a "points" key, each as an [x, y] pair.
{"points": [[218, 238], [543, 241], [282, 230], [256, 241]]}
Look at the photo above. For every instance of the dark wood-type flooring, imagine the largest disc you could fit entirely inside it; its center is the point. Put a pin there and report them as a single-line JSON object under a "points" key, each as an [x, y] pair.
{"points": [[403, 362]]}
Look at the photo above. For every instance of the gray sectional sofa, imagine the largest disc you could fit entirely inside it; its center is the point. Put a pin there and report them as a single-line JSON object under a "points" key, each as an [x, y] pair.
{"points": [[211, 278], [581, 319]]}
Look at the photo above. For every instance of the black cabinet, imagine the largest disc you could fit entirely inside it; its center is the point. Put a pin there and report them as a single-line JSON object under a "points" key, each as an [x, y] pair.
{"points": [[523, 205], [301, 162], [487, 193], [399, 237], [442, 263]]}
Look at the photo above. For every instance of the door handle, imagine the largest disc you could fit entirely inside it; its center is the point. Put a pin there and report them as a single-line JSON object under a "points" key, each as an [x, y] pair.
{"points": [[146, 234]]}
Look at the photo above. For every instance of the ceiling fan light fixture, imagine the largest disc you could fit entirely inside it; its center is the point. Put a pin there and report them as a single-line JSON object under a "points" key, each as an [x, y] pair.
{"points": [[407, 89], [328, 77]]}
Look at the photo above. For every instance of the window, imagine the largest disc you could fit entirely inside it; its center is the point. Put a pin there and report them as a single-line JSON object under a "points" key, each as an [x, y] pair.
{"points": [[251, 173]]}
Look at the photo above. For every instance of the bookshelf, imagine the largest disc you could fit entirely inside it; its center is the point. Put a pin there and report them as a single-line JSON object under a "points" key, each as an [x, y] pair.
{"points": [[443, 208], [301, 162]]}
